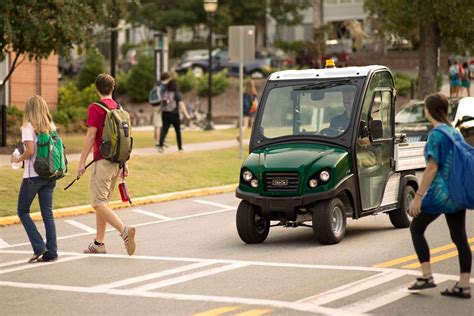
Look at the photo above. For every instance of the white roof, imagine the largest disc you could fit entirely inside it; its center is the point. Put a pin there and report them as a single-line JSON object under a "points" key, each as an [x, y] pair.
{"points": [[343, 72]]}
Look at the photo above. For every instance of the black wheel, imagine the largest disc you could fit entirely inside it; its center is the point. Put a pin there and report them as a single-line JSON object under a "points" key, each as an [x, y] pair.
{"points": [[400, 217], [329, 221], [252, 227]]}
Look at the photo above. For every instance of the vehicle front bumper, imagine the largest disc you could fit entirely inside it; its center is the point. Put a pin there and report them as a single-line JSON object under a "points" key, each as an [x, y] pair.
{"points": [[287, 205]]}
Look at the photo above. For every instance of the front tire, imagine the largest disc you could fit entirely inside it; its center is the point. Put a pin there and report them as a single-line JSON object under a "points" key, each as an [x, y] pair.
{"points": [[251, 226], [400, 217], [329, 221]]}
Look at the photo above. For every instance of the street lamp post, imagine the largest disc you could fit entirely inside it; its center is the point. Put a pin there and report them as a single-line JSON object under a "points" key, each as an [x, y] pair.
{"points": [[210, 6]]}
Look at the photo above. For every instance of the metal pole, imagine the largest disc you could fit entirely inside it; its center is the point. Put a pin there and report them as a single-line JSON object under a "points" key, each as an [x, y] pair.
{"points": [[209, 82], [4, 125], [113, 40], [241, 93]]}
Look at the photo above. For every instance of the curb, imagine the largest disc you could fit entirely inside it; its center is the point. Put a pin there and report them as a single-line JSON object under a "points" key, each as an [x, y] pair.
{"points": [[85, 209]]}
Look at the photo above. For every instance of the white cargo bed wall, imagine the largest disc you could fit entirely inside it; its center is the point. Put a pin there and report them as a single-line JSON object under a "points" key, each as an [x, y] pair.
{"points": [[409, 156]]}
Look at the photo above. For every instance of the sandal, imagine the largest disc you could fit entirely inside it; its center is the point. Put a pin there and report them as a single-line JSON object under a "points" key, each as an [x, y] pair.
{"points": [[422, 283], [457, 291]]}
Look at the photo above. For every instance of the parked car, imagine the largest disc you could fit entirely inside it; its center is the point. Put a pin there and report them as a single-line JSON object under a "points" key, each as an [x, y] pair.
{"points": [[275, 57], [220, 61], [411, 121], [70, 67]]}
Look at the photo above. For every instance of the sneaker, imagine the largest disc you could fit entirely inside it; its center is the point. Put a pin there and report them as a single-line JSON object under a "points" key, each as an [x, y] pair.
{"points": [[128, 237], [160, 149], [93, 248]]}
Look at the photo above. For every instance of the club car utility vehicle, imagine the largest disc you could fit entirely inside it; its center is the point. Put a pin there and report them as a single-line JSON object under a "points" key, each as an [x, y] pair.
{"points": [[323, 148]]}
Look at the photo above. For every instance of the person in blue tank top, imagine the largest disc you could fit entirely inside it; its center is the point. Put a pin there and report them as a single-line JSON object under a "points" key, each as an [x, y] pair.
{"points": [[432, 199]]}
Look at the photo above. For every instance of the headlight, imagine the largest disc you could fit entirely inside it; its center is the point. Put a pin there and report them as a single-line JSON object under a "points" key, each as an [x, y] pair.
{"points": [[313, 183], [247, 176], [325, 176], [254, 183]]}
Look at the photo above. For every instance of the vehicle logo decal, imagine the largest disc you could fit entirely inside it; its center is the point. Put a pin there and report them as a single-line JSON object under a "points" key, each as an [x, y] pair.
{"points": [[280, 182]]}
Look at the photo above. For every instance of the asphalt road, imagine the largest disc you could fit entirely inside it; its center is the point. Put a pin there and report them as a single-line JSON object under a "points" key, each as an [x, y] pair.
{"points": [[190, 261]]}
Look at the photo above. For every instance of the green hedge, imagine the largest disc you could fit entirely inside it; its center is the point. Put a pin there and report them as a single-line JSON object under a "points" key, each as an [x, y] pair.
{"points": [[141, 79], [94, 65], [220, 83]]}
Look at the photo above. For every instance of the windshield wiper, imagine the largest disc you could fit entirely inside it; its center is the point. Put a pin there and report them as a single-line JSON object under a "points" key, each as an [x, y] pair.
{"points": [[323, 85]]}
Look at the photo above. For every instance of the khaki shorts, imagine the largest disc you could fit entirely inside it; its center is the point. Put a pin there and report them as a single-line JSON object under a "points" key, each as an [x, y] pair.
{"points": [[156, 119], [103, 179]]}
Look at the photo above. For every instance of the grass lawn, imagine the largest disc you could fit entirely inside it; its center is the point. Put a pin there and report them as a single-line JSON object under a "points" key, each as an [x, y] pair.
{"points": [[73, 142], [148, 176]]}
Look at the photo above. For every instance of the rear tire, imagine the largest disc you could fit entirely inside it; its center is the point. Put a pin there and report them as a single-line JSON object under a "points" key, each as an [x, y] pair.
{"points": [[329, 221], [251, 226], [400, 217]]}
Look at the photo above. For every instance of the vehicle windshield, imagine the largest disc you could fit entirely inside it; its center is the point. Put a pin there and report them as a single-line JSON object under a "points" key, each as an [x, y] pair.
{"points": [[414, 113], [322, 109]]}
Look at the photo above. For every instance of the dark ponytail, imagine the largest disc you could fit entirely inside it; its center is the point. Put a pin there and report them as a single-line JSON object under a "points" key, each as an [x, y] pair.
{"points": [[437, 105]]}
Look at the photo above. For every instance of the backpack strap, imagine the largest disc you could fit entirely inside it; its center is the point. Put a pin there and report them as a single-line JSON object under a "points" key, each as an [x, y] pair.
{"points": [[105, 107]]}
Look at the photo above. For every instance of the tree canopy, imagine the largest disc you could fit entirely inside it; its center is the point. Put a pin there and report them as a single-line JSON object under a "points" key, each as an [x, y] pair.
{"points": [[434, 23]]}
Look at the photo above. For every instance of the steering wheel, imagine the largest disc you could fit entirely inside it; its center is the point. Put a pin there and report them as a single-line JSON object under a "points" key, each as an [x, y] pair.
{"points": [[329, 131]]}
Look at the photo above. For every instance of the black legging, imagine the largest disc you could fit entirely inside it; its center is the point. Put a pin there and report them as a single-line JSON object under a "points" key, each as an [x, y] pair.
{"points": [[170, 118], [457, 228]]}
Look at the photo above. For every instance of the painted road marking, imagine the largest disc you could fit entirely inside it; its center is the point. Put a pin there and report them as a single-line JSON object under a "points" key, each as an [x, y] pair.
{"points": [[435, 259], [374, 302], [188, 297], [156, 275], [217, 311], [140, 225], [81, 226], [255, 312], [151, 214], [352, 288], [394, 262], [27, 266], [189, 277], [12, 263], [214, 204], [3, 244]]}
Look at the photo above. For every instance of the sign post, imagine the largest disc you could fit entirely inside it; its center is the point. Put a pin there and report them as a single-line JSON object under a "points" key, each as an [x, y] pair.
{"points": [[161, 54], [241, 50]]}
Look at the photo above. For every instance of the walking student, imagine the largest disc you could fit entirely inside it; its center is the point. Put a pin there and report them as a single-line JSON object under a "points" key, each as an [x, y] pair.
{"points": [[104, 173], [36, 119], [250, 103], [172, 104], [156, 117], [432, 200]]}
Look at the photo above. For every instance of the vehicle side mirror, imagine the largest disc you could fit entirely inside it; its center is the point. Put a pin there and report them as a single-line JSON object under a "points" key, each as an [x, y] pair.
{"points": [[363, 129], [464, 119], [376, 129]]}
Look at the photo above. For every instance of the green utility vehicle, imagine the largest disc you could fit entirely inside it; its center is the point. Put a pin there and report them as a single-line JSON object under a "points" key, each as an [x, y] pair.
{"points": [[323, 148]]}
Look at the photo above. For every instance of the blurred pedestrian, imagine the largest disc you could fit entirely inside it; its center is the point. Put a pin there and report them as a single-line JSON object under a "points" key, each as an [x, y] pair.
{"points": [[156, 115], [432, 199], [105, 173], [36, 119], [250, 104], [172, 104], [466, 78], [454, 74]]}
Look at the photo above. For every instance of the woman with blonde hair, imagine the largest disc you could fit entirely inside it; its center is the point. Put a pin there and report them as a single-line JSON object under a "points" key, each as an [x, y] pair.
{"points": [[250, 103], [36, 119]]}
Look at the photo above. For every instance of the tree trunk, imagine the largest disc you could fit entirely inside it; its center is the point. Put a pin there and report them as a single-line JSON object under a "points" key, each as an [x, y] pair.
{"points": [[428, 59]]}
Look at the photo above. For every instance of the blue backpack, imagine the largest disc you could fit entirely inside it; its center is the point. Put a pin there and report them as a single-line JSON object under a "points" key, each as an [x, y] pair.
{"points": [[460, 186]]}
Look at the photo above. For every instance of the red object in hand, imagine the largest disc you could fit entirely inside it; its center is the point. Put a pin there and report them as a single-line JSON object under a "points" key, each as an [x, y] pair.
{"points": [[123, 189]]}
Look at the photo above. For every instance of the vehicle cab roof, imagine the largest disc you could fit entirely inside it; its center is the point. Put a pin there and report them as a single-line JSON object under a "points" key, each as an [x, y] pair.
{"points": [[326, 73]]}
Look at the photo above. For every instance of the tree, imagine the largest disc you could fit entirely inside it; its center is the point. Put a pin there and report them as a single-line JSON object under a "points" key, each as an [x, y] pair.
{"points": [[34, 29], [434, 23]]}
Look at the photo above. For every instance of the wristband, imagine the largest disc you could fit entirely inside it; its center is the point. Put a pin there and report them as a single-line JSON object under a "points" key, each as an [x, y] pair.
{"points": [[419, 194]]}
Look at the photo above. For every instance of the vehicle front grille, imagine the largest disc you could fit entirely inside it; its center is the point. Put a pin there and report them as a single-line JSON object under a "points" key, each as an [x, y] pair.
{"points": [[281, 181], [413, 139]]}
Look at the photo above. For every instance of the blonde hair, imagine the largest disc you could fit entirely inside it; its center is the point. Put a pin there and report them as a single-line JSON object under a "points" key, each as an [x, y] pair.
{"points": [[250, 87], [37, 114]]}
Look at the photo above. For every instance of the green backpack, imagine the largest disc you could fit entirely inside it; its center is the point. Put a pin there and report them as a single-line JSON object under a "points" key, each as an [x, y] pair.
{"points": [[51, 162], [117, 141]]}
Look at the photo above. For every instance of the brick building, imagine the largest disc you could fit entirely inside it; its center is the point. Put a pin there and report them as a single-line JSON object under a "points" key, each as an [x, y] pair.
{"points": [[32, 77]]}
